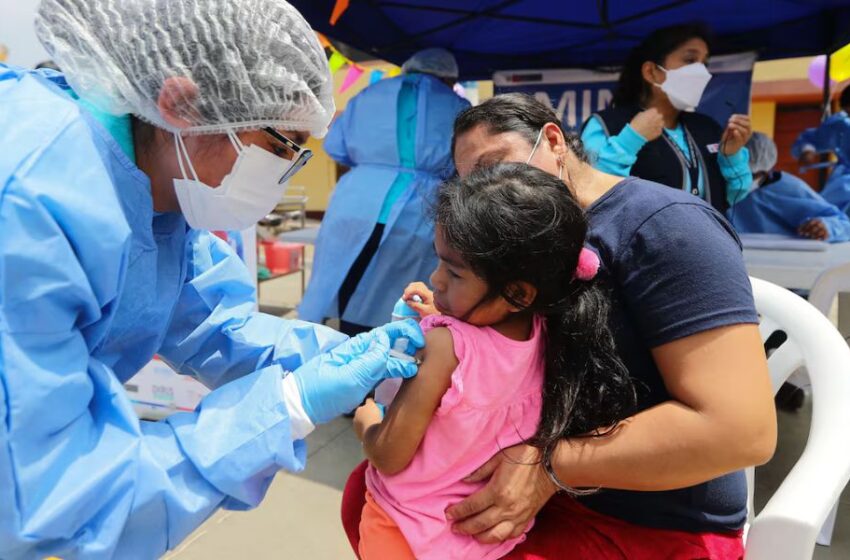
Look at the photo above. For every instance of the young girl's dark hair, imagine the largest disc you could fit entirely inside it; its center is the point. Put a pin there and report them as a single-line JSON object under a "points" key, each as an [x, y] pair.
{"points": [[632, 89], [515, 223]]}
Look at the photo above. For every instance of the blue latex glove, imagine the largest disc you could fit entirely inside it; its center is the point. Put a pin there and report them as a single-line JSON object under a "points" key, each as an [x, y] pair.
{"points": [[336, 382]]}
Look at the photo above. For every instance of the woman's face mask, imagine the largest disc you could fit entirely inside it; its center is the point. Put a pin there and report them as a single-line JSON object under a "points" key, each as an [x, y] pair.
{"points": [[534, 149], [250, 191], [685, 85]]}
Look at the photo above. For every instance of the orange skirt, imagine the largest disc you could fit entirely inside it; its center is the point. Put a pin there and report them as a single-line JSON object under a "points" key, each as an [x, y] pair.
{"points": [[380, 537]]}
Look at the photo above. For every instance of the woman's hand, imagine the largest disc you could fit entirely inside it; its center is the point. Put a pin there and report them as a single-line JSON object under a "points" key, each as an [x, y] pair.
{"points": [[814, 229], [517, 490], [648, 123], [427, 306], [737, 134]]}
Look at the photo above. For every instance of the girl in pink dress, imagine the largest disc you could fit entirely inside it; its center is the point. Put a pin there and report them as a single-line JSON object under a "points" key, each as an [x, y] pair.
{"points": [[517, 349]]}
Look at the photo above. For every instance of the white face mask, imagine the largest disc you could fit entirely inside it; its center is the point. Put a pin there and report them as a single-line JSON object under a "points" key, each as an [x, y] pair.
{"points": [[684, 86], [534, 149], [246, 194]]}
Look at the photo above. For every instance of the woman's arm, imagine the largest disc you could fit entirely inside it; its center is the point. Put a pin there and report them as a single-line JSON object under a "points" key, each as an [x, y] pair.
{"points": [[216, 335], [735, 169], [391, 443], [721, 392], [734, 158], [612, 154], [722, 420], [823, 138]]}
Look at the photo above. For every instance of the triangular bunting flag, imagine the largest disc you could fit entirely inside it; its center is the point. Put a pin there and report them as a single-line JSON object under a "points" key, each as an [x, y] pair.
{"points": [[354, 73]]}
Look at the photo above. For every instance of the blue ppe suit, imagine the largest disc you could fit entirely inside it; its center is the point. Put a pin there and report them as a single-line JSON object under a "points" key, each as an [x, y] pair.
{"points": [[784, 203], [837, 188], [93, 283], [833, 135], [398, 156]]}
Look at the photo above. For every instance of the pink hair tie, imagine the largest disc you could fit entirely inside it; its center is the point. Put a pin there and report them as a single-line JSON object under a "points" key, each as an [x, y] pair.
{"points": [[588, 265]]}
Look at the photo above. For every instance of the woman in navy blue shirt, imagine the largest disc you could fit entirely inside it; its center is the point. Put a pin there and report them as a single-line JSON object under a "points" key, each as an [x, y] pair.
{"points": [[686, 328]]}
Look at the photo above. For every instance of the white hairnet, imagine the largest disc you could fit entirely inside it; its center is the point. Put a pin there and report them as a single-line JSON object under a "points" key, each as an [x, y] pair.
{"points": [[226, 64], [762, 153], [437, 62]]}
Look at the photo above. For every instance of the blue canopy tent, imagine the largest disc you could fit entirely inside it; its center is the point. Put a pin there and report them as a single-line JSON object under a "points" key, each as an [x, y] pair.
{"points": [[490, 35]]}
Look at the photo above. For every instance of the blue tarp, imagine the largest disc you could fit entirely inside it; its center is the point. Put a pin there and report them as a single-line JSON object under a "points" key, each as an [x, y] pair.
{"points": [[490, 35]]}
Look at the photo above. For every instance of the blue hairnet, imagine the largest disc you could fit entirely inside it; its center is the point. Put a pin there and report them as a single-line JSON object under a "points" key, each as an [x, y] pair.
{"points": [[437, 62], [762, 153]]}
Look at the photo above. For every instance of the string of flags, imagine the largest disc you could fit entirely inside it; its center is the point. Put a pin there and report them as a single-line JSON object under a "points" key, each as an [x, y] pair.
{"points": [[337, 61]]}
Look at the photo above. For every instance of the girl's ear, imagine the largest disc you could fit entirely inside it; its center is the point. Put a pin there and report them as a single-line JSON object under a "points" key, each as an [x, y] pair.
{"points": [[522, 293]]}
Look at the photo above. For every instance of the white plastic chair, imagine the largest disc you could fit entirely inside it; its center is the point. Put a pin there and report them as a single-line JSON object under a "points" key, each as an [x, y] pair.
{"points": [[787, 527], [828, 285]]}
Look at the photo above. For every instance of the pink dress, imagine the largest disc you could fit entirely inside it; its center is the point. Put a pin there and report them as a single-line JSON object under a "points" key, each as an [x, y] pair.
{"points": [[494, 402]]}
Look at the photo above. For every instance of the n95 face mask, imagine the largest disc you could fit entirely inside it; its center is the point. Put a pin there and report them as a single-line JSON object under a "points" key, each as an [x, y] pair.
{"points": [[246, 194], [684, 86]]}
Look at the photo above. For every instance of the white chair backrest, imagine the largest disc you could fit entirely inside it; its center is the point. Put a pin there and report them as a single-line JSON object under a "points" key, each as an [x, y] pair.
{"points": [[828, 285], [788, 525]]}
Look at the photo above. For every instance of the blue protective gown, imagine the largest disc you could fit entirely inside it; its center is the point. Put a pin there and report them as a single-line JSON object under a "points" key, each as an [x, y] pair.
{"points": [[833, 135], [782, 205], [394, 176], [93, 283], [836, 191]]}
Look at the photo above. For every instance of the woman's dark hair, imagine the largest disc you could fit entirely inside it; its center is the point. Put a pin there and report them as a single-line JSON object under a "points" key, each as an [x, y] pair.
{"points": [[514, 112], [515, 223], [632, 89]]}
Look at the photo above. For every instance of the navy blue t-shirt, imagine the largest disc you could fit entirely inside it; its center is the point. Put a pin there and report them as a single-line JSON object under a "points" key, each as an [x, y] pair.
{"points": [[675, 268]]}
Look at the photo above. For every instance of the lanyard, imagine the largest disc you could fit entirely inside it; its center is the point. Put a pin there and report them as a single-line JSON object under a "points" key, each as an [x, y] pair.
{"points": [[690, 163]]}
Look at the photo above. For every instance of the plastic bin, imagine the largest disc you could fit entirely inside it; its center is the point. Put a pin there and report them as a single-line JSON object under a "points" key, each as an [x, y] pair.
{"points": [[281, 257]]}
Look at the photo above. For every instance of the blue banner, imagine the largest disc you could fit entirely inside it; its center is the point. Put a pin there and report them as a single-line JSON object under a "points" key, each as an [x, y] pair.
{"points": [[574, 95]]}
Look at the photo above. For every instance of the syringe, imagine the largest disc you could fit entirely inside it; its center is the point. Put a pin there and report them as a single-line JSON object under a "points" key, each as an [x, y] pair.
{"points": [[397, 354]]}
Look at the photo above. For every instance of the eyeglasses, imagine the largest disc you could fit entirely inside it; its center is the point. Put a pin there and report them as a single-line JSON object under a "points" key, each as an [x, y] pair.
{"points": [[302, 155]]}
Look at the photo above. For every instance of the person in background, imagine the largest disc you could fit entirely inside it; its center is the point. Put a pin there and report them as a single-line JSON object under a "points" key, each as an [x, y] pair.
{"points": [[833, 135], [784, 204], [651, 130], [376, 237], [112, 175]]}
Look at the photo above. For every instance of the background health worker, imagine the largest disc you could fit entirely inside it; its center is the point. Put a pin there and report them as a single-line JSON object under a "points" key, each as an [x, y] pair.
{"points": [[375, 237], [833, 135], [99, 271], [781, 203], [651, 130]]}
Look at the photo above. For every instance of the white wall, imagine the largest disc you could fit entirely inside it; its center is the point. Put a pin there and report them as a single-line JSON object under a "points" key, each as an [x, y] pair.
{"points": [[18, 34]]}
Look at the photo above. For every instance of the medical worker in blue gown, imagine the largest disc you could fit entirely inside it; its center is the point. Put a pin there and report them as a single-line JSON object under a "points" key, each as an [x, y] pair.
{"points": [[784, 204], [833, 135], [376, 236], [173, 118]]}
